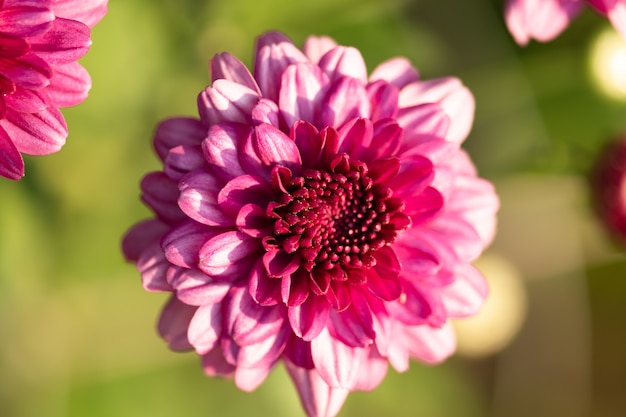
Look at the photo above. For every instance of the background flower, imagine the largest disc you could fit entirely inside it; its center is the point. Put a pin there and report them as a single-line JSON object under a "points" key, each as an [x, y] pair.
{"points": [[41, 43], [318, 216], [543, 20]]}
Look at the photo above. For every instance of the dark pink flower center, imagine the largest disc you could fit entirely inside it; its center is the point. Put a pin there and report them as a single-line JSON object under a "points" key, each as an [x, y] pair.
{"points": [[334, 220]]}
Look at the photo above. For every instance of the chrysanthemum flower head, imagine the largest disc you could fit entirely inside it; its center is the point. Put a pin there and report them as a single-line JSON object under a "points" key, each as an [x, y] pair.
{"points": [[40, 43], [543, 20], [318, 216]]}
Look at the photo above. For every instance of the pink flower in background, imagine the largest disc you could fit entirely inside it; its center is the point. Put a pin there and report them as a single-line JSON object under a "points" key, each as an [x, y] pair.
{"points": [[317, 216], [543, 20], [40, 43], [608, 187]]}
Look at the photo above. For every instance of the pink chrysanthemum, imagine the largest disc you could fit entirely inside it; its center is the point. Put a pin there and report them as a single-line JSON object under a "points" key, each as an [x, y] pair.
{"points": [[40, 42], [317, 216], [543, 20]]}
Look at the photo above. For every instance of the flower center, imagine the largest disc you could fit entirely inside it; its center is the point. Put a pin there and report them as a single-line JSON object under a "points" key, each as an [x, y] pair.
{"points": [[336, 219]]}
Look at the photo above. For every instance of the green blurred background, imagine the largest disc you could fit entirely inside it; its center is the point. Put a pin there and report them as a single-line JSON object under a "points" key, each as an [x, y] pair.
{"points": [[77, 331]]}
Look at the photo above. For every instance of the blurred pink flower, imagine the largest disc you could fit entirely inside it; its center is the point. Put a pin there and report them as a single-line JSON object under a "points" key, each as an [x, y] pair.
{"points": [[543, 20], [608, 186], [317, 216], [41, 42]]}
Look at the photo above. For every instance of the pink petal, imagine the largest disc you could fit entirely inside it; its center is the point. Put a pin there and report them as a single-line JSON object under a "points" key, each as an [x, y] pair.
{"points": [[274, 53], [270, 147], [454, 98], [421, 123], [337, 363], [343, 61], [226, 101], [264, 290], [415, 174], [221, 149], [308, 141], [40, 133], [28, 71], [355, 137], [195, 288], [198, 199], [318, 399], [303, 87], [308, 319], [388, 289], [316, 46], [183, 159], [266, 352], [397, 71], [617, 17], [69, 85], [160, 193], [383, 98], [430, 344], [295, 288], [140, 236], [226, 66], [64, 42], [371, 372], [466, 294], [225, 249], [11, 162], [87, 11], [183, 242], [25, 21], [243, 190], [424, 206], [388, 136], [266, 111], [205, 328], [174, 322], [176, 131], [278, 263], [249, 323], [252, 220], [214, 363], [542, 20], [346, 99], [153, 266], [353, 326], [249, 379]]}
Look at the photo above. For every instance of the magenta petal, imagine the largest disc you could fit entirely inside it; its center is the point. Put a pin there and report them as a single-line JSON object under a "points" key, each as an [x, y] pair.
{"points": [[397, 71], [28, 71], [266, 111], [278, 263], [183, 159], [414, 308], [69, 85], [205, 328], [140, 236], [430, 344], [318, 399], [153, 266], [355, 137], [198, 199], [337, 363], [424, 206], [195, 288], [385, 288], [416, 173], [384, 100], [183, 242], [353, 326], [226, 101], [343, 61], [303, 87], [225, 249], [11, 162], [295, 288], [25, 21], [160, 193], [388, 136], [270, 148], [264, 290], [87, 11], [253, 221], [66, 41], [308, 141], [345, 100], [264, 353], [221, 148], [226, 66], [40, 133], [27, 101], [173, 324], [243, 190], [274, 53], [176, 131], [308, 319], [249, 323]]}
